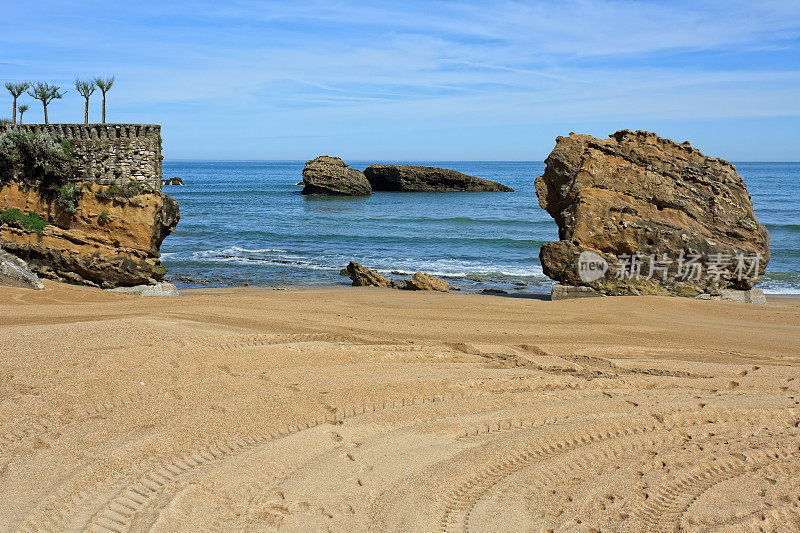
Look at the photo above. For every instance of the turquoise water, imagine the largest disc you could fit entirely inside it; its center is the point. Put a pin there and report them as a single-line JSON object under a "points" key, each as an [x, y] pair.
{"points": [[246, 222]]}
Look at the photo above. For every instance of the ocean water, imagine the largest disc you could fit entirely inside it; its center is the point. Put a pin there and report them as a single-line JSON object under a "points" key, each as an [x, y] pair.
{"points": [[246, 222]]}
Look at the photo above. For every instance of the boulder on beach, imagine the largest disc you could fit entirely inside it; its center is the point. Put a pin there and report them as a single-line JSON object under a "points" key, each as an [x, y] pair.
{"points": [[640, 214], [330, 176], [407, 178], [423, 282], [366, 277], [14, 272]]}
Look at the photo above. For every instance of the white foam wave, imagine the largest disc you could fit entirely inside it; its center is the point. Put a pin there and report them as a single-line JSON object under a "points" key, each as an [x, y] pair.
{"points": [[239, 250]]}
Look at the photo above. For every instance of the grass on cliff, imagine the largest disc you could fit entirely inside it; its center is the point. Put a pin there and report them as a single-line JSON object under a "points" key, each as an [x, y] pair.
{"points": [[31, 222], [120, 192]]}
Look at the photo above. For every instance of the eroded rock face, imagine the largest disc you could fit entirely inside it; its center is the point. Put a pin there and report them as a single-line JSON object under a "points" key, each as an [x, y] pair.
{"points": [[108, 241], [14, 272], [407, 178], [329, 176], [366, 277], [636, 213]]}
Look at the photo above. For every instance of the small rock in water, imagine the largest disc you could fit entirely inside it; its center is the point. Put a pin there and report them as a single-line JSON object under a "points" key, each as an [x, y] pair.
{"points": [[493, 291]]}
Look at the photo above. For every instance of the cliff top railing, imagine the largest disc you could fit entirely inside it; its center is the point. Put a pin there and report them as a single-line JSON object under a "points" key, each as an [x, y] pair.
{"points": [[90, 131]]}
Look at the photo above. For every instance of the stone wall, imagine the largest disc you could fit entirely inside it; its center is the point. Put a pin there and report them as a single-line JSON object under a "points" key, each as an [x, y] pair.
{"points": [[109, 152]]}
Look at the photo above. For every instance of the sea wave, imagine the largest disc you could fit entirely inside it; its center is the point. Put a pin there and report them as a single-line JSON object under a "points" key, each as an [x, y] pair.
{"points": [[450, 268], [789, 227], [239, 249]]}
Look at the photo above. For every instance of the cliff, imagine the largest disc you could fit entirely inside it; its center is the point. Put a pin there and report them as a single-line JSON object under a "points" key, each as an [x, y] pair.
{"points": [[87, 233]]}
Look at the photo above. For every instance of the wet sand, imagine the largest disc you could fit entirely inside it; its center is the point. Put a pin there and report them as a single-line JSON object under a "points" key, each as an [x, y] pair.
{"points": [[370, 409]]}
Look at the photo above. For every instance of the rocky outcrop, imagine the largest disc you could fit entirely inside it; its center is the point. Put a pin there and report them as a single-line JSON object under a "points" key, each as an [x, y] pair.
{"points": [[14, 272], [172, 181], [424, 282], [365, 277], [406, 178], [639, 214], [89, 234], [329, 176]]}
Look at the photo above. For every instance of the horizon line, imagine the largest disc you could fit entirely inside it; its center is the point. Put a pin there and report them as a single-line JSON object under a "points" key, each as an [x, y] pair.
{"points": [[414, 160]]}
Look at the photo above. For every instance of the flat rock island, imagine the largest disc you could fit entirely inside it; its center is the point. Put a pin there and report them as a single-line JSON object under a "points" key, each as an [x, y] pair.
{"points": [[409, 178]]}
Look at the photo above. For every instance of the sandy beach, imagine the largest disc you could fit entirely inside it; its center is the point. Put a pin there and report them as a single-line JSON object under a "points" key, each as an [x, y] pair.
{"points": [[371, 409]]}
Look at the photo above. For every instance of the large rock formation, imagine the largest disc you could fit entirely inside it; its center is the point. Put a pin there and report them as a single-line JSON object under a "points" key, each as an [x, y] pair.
{"points": [[638, 214], [408, 178], [87, 233], [329, 176]]}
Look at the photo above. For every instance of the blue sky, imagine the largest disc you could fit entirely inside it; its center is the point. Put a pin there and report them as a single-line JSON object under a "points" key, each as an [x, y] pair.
{"points": [[420, 80]]}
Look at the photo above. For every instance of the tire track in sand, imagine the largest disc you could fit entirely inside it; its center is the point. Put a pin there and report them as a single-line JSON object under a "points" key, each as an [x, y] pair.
{"points": [[460, 502], [117, 511], [664, 511]]}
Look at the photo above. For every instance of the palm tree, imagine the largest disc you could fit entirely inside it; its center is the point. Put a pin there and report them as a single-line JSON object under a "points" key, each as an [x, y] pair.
{"points": [[85, 88], [104, 85], [22, 109], [46, 93], [16, 89]]}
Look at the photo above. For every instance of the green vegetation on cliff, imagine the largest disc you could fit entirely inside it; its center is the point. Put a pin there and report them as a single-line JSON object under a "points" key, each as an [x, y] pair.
{"points": [[123, 192], [31, 222], [36, 158], [68, 196]]}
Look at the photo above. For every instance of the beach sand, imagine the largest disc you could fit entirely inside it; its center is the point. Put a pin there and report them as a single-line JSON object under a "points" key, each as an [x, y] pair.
{"points": [[370, 409]]}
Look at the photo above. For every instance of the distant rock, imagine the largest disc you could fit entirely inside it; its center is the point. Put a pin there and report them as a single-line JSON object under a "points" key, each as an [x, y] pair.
{"points": [[172, 181], [327, 175], [639, 214], [406, 178], [14, 272], [156, 289], [365, 277], [425, 282]]}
